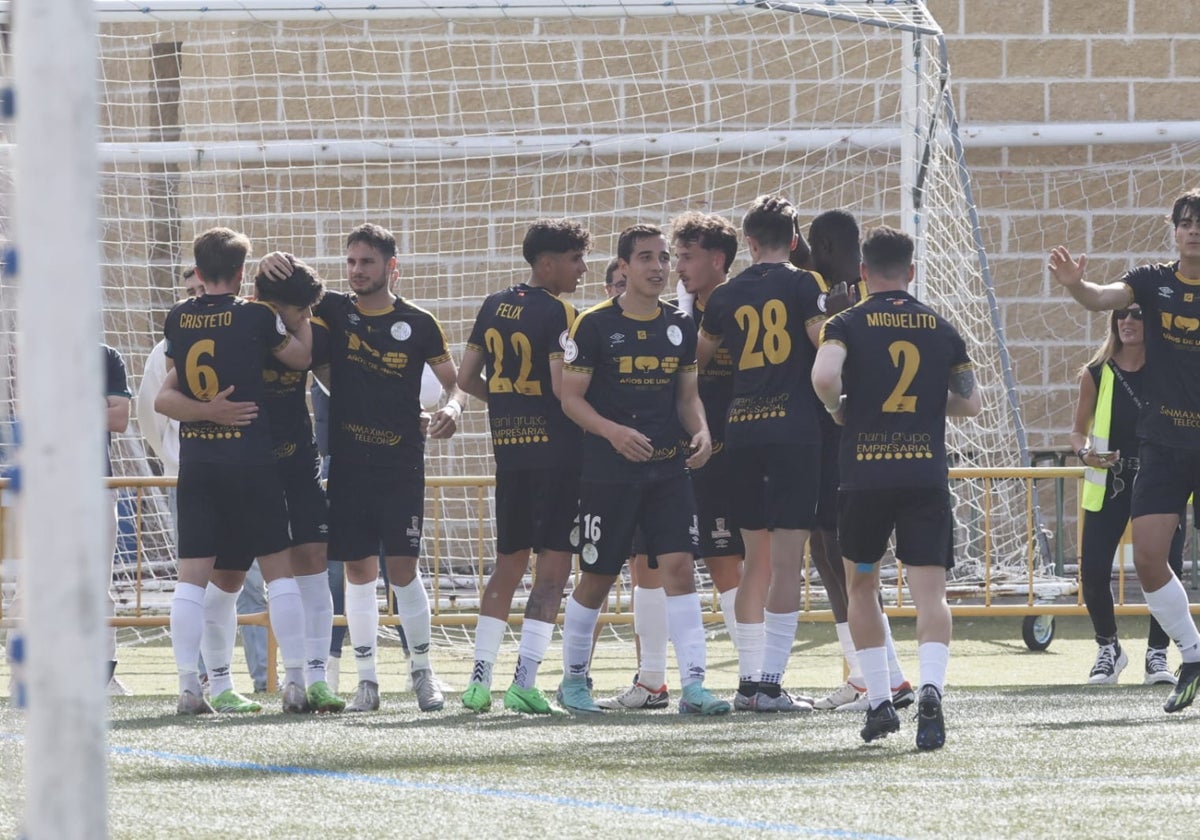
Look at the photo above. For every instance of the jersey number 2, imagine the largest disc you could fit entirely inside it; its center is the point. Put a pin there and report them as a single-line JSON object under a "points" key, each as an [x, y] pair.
{"points": [[907, 358]]}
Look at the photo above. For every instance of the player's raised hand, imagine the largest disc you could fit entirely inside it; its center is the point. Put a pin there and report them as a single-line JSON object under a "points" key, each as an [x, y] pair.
{"points": [[225, 412], [1066, 271], [276, 265], [631, 444], [838, 298], [701, 450]]}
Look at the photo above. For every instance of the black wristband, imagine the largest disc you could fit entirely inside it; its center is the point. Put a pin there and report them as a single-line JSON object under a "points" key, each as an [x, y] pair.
{"points": [[1083, 453]]}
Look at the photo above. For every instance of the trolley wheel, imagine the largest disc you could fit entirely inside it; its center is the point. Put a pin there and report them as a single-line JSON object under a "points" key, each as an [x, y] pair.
{"points": [[1038, 631]]}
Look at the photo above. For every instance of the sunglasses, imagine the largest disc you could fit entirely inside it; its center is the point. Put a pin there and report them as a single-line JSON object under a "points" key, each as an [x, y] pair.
{"points": [[1118, 482], [1122, 314]]}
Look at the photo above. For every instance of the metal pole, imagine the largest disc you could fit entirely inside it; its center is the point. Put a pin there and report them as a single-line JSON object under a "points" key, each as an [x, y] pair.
{"points": [[60, 393]]}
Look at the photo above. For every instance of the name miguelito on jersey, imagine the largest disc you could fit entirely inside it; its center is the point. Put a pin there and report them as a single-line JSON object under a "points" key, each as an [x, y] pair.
{"points": [[902, 320]]}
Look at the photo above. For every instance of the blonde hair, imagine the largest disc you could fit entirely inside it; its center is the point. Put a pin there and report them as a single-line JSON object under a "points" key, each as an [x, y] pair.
{"points": [[1112, 344]]}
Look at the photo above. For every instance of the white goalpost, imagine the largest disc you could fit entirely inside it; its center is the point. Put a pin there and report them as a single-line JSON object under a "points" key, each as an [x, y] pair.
{"points": [[54, 252], [457, 123]]}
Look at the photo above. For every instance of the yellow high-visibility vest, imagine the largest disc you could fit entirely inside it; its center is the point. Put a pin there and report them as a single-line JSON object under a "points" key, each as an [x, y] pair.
{"points": [[1094, 480]]}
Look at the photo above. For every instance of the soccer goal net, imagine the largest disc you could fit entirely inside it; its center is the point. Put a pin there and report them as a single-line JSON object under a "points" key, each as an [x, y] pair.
{"points": [[455, 124]]}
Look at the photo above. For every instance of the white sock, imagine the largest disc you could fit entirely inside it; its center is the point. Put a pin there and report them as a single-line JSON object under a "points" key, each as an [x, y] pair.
{"points": [[895, 669], [220, 632], [751, 639], [362, 619], [187, 626], [651, 624], [726, 600], [1170, 606], [286, 610], [318, 624], [578, 624], [875, 674], [489, 633], [846, 642], [780, 632], [333, 667], [933, 658], [412, 606], [535, 641], [687, 635]]}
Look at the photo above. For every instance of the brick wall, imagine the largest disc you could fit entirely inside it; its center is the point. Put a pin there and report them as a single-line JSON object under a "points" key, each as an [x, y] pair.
{"points": [[1070, 61]]}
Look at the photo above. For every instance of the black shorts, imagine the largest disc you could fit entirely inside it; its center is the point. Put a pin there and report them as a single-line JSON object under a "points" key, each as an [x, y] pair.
{"points": [[536, 509], [665, 510], [374, 508], [719, 533], [1166, 477], [775, 486], [300, 475], [230, 508], [922, 518]]}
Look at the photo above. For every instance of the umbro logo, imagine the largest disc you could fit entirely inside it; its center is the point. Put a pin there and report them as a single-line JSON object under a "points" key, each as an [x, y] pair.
{"points": [[617, 338]]}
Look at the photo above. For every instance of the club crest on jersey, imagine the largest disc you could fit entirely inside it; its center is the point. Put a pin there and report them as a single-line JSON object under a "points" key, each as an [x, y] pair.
{"points": [[589, 554], [401, 330], [570, 350], [675, 335]]}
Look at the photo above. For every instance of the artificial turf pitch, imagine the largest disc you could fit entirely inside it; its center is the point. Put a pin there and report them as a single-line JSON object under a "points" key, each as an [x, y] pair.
{"points": [[1030, 753]]}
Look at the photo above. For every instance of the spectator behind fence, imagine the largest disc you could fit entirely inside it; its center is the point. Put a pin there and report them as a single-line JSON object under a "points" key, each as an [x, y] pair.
{"points": [[1111, 396]]}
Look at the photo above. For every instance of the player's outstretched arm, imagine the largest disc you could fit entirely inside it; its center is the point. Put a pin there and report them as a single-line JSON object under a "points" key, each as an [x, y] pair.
{"points": [[1068, 273], [177, 405]]}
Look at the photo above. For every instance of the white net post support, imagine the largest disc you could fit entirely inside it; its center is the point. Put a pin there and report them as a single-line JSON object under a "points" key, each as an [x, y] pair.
{"points": [[61, 408]]}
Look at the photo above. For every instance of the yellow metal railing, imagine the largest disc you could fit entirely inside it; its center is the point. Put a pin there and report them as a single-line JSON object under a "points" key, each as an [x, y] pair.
{"points": [[446, 611]]}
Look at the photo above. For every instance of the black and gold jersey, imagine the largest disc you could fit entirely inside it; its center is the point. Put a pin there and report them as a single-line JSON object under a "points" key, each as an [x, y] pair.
{"points": [[900, 355], [761, 319], [217, 341], [519, 331], [1171, 318], [376, 358], [635, 362], [285, 395], [716, 385]]}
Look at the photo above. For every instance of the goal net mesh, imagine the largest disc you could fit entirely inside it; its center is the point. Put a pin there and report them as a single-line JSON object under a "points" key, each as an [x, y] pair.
{"points": [[456, 131]]}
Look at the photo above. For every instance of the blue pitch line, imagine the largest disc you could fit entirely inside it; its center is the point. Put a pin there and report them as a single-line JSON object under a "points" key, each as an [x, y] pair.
{"points": [[496, 793]]}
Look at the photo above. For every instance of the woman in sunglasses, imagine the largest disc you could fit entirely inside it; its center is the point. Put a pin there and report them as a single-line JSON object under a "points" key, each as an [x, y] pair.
{"points": [[1105, 439]]}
